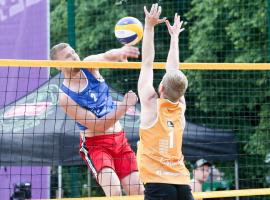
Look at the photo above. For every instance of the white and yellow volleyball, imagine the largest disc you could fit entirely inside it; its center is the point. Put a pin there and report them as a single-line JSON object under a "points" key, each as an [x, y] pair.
{"points": [[129, 30]]}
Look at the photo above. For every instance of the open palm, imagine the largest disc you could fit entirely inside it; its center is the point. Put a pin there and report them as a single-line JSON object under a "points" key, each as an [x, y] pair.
{"points": [[152, 17], [176, 28]]}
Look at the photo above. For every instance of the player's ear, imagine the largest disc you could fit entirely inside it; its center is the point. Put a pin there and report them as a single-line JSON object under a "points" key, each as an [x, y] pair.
{"points": [[161, 87]]}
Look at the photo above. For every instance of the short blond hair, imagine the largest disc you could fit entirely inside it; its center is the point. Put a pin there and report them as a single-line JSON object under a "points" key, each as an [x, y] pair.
{"points": [[56, 48], [175, 84]]}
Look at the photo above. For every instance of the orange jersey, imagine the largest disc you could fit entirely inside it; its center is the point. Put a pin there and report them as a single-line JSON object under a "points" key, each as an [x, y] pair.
{"points": [[160, 158]]}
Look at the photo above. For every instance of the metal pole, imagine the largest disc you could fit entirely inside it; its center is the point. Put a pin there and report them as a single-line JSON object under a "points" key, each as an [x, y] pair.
{"points": [[212, 179], [74, 182], [71, 23], [89, 184], [60, 191], [236, 176], [268, 24]]}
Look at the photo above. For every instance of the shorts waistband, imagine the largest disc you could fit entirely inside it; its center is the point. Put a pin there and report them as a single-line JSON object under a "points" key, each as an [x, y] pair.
{"points": [[104, 135]]}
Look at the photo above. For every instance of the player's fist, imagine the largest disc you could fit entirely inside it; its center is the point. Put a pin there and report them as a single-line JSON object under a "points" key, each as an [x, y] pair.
{"points": [[128, 51], [130, 99]]}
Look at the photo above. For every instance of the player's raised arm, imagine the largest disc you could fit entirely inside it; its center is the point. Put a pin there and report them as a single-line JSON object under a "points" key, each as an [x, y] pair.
{"points": [[173, 55], [145, 83], [116, 55], [174, 31]]}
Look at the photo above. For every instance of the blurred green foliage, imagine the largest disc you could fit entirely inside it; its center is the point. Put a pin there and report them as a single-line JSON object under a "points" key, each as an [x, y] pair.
{"points": [[236, 32]]}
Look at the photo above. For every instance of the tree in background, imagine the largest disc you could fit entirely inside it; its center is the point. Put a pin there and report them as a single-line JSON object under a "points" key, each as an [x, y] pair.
{"points": [[222, 31], [94, 20]]}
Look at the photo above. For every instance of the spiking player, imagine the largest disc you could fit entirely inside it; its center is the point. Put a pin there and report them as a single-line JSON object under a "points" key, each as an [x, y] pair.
{"points": [[85, 97]]}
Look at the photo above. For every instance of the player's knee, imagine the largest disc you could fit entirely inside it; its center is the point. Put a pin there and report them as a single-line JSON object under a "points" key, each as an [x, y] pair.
{"points": [[136, 189], [109, 182], [115, 191]]}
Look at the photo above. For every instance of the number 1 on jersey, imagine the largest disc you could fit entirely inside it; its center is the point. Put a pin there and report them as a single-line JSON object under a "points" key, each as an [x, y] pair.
{"points": [[171, 133]]}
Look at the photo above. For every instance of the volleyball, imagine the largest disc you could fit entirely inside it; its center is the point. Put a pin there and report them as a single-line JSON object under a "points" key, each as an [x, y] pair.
{"points": [[129, 30]]}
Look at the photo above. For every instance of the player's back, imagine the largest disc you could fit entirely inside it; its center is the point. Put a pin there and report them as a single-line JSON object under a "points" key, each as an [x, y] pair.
{"points": [[160, 155]]}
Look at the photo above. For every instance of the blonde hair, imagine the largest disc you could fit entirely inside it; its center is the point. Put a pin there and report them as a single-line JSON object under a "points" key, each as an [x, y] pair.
{"points": [[175, 84], [56, 48]]}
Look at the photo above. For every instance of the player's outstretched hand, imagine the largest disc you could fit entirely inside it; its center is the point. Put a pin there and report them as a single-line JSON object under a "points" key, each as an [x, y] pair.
{"points": [[152, 17], [128, 51], [176, 28]]}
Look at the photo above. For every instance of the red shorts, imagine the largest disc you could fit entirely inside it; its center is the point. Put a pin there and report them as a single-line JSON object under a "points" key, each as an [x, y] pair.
{"points": [[111, 151]]}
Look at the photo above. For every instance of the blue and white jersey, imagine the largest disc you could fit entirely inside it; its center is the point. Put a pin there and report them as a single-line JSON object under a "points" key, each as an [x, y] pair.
{"points": [[94, 97]]}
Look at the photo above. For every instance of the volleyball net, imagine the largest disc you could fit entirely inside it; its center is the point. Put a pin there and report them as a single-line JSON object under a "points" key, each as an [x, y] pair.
{"points": [[227, 124]]}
